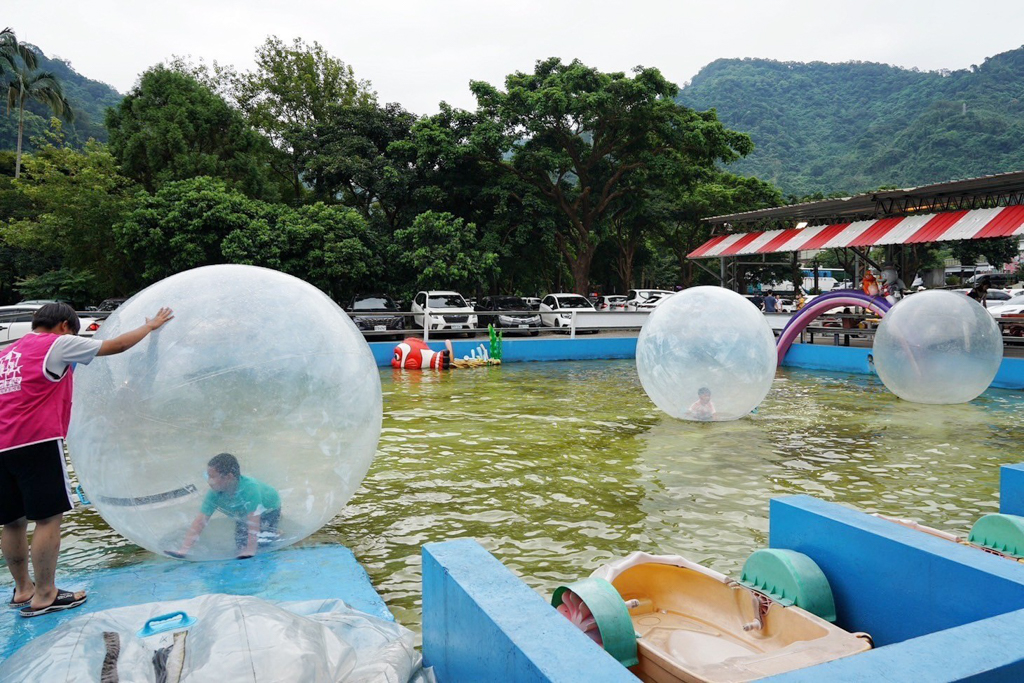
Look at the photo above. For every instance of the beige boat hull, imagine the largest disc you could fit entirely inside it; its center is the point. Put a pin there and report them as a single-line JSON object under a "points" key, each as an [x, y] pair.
{"points": [[690, 625]]}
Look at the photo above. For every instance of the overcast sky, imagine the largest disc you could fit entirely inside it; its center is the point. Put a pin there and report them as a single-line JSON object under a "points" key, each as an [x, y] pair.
{"points": [[420, 52]]}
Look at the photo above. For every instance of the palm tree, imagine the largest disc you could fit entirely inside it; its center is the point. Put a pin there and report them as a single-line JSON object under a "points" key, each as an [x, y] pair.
{"points": [[24, 82], [10, 51], [27, 83]]}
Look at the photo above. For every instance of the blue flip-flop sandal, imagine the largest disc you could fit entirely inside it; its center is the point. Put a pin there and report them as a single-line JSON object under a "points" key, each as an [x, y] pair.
{"points": [[65, 600]]}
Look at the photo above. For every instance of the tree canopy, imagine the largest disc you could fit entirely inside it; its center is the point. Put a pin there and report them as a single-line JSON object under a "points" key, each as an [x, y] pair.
{"points": [[580, 137], [563, 178], [289, 92], [171, 127]]}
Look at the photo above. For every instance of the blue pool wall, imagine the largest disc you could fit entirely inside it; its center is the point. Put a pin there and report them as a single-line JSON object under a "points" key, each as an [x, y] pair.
{"points": [[1011, 489], [481, 623], [524, 350], [937, 610], [927, 602], [810, 356]]}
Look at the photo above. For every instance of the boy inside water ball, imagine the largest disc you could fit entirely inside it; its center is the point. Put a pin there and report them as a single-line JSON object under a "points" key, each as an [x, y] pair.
{"points": [[702, 408], [254, 505]]}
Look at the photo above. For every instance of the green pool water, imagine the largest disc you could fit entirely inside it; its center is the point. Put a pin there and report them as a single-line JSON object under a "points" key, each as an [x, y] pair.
{"points": [[558, 467]]}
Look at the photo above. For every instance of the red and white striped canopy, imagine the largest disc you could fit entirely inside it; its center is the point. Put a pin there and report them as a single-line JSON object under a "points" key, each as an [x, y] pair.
{"points": [[975, 224]]}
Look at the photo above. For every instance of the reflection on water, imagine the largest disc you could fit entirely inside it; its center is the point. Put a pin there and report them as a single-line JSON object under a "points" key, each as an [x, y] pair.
{"points": [[558, 467]]}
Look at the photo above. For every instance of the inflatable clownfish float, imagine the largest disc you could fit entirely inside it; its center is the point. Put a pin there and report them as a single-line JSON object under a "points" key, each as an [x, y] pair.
{"points": [[414, 354]]}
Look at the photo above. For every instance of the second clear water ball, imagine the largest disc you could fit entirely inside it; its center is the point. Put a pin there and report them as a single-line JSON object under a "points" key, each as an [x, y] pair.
{"points": [[706, 354], [938, 347]]}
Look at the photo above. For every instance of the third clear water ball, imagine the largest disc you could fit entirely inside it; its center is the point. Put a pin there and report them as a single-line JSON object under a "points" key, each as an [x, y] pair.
{"points": [[938, 347], [706, 353], [257, 364]]}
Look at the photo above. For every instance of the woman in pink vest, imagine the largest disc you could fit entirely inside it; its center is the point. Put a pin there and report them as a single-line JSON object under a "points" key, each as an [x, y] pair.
{"points": [[35, 409]]}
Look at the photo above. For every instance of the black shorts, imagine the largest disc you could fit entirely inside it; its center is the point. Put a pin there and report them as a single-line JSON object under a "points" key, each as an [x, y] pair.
{"points": [[267, 534], [34, 482]]}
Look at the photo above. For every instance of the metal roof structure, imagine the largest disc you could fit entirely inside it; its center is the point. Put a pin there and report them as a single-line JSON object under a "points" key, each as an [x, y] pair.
{"points": [[1005, 221], [1004, 189]]}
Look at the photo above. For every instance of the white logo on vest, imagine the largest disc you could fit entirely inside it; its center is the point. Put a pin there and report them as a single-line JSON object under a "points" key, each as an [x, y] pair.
{"points": [[10, 373]]}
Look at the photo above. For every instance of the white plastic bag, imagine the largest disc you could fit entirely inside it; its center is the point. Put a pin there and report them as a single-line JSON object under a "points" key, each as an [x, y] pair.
{"points": [[234, 639]]}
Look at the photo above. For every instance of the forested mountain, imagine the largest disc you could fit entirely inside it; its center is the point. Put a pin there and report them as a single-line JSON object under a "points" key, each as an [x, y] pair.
{"points": [[858, 126], [88, 98]]}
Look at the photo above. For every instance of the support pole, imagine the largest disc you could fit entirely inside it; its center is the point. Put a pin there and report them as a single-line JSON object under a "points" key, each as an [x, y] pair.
{"points": [[721, 280], [866, 258]]}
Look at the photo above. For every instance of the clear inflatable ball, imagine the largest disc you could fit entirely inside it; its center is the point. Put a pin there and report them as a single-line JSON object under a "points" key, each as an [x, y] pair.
{"points": [[706, 354], [242, 425], [938, 347]]}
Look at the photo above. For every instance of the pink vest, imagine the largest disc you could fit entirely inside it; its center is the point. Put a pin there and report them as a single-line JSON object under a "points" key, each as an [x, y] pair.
{"points": [[33, 407]]}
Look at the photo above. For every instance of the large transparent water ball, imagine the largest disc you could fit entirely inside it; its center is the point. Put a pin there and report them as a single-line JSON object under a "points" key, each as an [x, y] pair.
{"points": [[938, 347], [257, 364], [706, 354]]}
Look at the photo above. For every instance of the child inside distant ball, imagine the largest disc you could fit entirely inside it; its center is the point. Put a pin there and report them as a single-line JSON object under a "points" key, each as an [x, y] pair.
{"points": [[255, 507], [702, 408]]}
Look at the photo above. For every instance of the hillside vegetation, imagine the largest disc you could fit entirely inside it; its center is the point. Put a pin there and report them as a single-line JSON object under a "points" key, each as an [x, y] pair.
{"points": [[88, 98], [858, 126]]}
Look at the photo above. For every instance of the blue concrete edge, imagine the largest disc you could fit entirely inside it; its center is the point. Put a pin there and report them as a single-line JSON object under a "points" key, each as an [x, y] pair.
{"points": [[935, 608], [986, 650], [855, 360], [482, 623], [894, 582], [516, 350], [291, 574], [808, 356], [940, 611], [1011, 489]]}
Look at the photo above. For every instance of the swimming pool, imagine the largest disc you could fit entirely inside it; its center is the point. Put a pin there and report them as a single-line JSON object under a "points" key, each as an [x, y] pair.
{"points": [[557, 467]]}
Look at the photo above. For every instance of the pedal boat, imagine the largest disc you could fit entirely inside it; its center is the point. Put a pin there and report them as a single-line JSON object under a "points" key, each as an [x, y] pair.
{"points": [[695, 624]]}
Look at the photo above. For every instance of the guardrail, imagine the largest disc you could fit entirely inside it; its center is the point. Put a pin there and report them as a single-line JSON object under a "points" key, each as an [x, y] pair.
{"points": [[578, 321], [588, 321]]}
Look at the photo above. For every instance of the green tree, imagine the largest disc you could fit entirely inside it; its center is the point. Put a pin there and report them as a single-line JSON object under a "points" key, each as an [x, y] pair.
{"points": [[997, 251], [184, 224], [352, 155], [16, 262], [76, 196], [580, 136], [444, 252], [202, 221], [74, 286], [327, 246], [679, 212], [292, 89], [170, 127]]}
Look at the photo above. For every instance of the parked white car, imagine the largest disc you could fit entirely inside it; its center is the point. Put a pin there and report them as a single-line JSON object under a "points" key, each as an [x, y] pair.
{"points": [[786, 304], [611, 302], [16, 321], [645, 299], [448, 312], [1010, 307], [533, 302], [993, 297], [556, 309]]}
